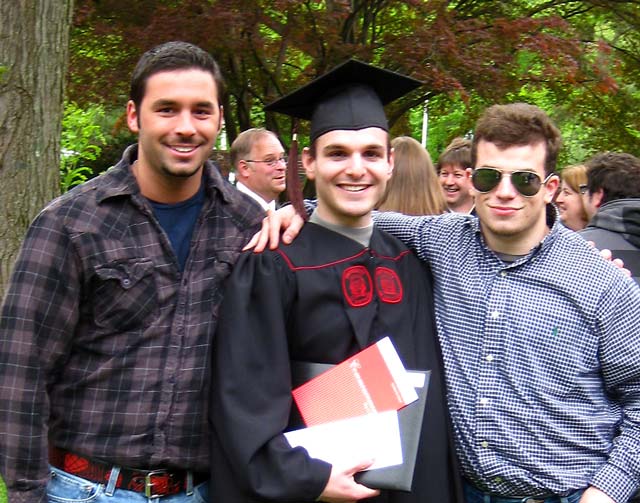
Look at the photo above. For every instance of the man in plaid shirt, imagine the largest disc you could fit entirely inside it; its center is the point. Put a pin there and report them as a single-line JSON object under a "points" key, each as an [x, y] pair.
{"points": [[106, 326]]}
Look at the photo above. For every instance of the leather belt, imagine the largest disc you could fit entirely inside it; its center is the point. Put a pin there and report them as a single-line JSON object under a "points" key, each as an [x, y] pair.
{"points": [[544, 498], [152, 483]]}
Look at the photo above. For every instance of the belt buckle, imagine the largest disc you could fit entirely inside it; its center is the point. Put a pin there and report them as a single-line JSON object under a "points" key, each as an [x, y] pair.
{"points": [[148, 483], [533, 500]]}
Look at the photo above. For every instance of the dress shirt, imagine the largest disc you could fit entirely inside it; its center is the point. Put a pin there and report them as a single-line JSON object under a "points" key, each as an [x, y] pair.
{"points": [[104, 342], [542, 358], [266, 205]]}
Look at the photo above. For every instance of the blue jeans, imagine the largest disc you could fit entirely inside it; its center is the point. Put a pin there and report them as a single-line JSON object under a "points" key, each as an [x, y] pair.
{"points": [[474, 495], [66, 488]]}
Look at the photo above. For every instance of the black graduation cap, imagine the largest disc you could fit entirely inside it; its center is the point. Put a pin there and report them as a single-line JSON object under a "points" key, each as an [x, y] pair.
{"points": [[351, 96]]}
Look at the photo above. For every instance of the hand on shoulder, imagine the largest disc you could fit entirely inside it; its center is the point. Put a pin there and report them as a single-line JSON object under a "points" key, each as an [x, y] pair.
{"points": [[285, 219], [608, 256]]}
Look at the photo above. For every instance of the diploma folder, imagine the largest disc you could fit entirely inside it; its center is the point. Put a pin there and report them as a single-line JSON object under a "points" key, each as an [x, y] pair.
{"points": [[410, 417], [372, 380]]}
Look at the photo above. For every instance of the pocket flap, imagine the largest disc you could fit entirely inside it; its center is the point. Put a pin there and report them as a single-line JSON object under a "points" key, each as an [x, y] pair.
{"points": [[128, 273]]}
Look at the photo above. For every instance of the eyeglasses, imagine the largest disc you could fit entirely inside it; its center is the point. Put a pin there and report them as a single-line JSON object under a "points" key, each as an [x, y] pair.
{"points": [[272, 163], [583, 188], [525, 182]]}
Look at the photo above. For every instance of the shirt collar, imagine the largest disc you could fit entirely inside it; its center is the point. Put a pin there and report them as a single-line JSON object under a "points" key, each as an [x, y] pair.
{"points": [[266, 205], [553, 222], [120, 181]]}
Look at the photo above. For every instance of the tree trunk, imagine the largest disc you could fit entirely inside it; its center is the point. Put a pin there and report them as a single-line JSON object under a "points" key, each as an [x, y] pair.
{"points": [[34, 46]]}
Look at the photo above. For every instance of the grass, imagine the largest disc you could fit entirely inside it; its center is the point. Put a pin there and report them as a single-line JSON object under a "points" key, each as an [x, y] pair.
{"points": [[3, 492]]}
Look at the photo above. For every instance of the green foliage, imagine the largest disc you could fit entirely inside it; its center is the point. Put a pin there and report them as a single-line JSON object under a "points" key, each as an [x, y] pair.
{"points": [[578, 60], [82, 141], [93, 56], [3, 492], [449, 116]]}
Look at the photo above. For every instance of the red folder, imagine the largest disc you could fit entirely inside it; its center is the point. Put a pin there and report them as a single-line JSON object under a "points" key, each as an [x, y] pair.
{"points": [[373, 380]]}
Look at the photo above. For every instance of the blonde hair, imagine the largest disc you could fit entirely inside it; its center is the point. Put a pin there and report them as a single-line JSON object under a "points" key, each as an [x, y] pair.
{"points": [[574, 176], [413, 188]]}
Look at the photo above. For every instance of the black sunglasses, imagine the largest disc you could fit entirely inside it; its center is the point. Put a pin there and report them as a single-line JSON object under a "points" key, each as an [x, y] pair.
{"points": [[525, 182]]}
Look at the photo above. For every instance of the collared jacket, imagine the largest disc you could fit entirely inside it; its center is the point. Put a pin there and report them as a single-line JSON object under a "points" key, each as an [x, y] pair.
{"points": [[104, 342], [616, 226]]}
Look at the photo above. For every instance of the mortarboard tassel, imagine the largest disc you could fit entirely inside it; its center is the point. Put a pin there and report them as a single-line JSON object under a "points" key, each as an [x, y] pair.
{"points": [[294, 189]]}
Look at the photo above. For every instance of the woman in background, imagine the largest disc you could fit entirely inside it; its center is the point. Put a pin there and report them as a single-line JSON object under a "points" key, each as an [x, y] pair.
{"points": [[569, 197], [413, 188]]}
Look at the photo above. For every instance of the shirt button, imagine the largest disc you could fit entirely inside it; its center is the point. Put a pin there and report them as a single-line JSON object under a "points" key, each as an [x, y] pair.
{"points": [[489, 358], [495, 314], [484, 444], [484, 401], [126, 282], [503, 273], [497, 480]]}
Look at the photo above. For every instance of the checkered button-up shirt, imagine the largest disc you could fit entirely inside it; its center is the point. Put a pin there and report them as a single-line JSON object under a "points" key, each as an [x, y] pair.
{"points": [[542, 359], [104, 342]]}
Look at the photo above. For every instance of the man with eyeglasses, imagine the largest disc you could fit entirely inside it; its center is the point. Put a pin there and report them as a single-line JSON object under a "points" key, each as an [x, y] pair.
{"points": [[539, 334], [261, 165]]}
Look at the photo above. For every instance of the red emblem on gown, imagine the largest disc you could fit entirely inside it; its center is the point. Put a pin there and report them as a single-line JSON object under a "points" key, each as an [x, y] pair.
{"points": [[388, 285], [357, 286]]}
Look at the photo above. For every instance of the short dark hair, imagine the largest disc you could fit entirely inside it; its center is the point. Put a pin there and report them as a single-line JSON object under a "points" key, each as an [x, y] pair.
{"points": [[168, 57], [616, 173], [517, 124], [457, 153]]}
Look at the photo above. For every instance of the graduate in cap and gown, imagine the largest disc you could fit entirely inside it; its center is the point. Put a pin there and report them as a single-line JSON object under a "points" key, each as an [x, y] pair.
{"points": [[341, 286]]}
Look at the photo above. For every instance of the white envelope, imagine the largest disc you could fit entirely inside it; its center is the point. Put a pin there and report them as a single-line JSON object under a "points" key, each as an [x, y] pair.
{"points": [[346, 442]]}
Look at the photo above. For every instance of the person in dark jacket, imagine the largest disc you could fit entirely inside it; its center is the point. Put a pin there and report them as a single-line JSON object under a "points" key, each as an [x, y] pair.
{"points": [[612, 201]]}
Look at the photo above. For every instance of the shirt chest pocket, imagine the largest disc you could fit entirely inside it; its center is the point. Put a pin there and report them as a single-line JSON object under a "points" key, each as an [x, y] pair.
{"points": [[124, 296]]}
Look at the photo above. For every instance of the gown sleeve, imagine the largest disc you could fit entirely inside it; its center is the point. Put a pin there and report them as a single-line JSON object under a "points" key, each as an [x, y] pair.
{"points": [[251, 388]]}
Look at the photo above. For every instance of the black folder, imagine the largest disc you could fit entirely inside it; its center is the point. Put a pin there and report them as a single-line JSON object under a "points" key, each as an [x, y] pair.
{"points": [[399, 477]]}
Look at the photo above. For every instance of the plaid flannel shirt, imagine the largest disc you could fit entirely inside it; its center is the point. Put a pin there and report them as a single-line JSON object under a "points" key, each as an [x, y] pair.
{"points": [[104, 343]]}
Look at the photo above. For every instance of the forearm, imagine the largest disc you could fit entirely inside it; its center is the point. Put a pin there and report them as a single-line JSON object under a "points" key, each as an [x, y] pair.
{"points": [[37, 322], [23, 414], [619, 478], [613, 483], [412, 231]]}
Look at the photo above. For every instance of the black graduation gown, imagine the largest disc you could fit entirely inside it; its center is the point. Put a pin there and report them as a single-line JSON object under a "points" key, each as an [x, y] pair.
{"points": [[321, 299]]}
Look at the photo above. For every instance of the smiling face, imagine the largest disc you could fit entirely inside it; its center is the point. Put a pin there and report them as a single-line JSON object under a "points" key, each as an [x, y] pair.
{"points": [[351, 170], [456, 187], [177, 125], [510, 222], [570, 207], [262, 178]]}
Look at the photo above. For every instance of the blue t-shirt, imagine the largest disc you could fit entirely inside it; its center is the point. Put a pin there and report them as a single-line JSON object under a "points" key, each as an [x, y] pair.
{"points": [[178, 221]]}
